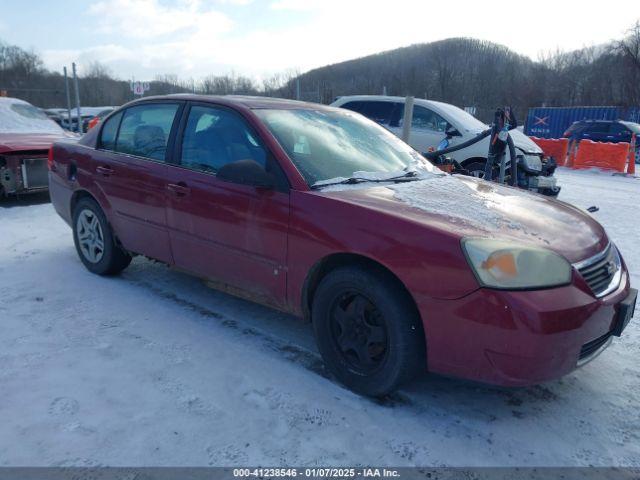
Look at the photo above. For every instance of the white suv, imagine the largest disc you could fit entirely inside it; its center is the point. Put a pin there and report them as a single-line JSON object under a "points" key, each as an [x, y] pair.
{"points": [[430, 122]]}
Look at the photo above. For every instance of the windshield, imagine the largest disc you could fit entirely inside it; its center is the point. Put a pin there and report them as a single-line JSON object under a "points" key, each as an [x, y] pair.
{"points": [[327, 145], [460, 118], [22, 117], [634, 127]]}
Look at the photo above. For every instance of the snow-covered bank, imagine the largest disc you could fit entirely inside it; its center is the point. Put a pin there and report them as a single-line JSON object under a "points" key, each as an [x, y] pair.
{"points": [[153, 368]]}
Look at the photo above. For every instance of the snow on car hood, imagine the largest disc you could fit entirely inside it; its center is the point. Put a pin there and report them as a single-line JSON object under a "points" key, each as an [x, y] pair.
{"points": [[467, 206], [18, 116], [523, 142]]}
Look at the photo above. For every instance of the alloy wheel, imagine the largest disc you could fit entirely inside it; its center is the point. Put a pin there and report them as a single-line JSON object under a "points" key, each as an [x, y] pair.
{"points": [[90, 236]]}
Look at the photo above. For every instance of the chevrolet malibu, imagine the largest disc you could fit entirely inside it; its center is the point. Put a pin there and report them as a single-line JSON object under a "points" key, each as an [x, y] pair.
{"points": [[322, 213]]}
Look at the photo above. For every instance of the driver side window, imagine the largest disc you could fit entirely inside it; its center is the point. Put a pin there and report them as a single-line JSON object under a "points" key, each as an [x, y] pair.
{"points": [[215, 137], [426, 119]]}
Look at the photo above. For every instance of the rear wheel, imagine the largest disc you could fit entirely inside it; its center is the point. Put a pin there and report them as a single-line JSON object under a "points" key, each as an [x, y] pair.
{"points": [[368, 331], [95, 242]]}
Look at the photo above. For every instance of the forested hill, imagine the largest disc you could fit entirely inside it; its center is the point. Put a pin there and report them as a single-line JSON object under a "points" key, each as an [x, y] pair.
{"points": [[469, 72], [462, 71]]}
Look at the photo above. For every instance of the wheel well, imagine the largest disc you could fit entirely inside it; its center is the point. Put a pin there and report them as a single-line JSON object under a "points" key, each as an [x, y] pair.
{"points": [[322, 268], [77, 196], [471, 160]]}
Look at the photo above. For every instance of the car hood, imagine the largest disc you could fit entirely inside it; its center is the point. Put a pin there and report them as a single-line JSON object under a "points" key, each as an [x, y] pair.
{"points": [[466, 206], [15, 142], [523, 142]]}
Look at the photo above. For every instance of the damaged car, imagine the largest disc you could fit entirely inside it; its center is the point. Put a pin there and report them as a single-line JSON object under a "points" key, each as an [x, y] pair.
{"points": [[26, 134]]}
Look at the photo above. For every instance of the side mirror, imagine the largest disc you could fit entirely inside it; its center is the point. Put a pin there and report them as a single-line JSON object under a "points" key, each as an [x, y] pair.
{"points": [[452, 132], [246, 172]]}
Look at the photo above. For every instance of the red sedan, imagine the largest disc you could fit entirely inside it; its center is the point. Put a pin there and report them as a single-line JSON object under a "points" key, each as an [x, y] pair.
{"points": [[320, 212]]}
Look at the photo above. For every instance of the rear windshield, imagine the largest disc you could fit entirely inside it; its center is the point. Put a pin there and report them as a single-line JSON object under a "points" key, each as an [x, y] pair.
{"points": [[22, 117]]}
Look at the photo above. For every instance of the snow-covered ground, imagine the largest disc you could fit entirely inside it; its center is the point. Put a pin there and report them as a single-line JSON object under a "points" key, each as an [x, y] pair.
{"points": [[154, 368]]}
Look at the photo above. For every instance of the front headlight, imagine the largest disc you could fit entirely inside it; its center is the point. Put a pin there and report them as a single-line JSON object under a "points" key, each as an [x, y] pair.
{"points": [[506, 265]]}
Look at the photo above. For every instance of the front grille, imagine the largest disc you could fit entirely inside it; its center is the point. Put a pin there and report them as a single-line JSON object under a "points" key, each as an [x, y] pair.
{"points": [[593, 346], [602, 272]]}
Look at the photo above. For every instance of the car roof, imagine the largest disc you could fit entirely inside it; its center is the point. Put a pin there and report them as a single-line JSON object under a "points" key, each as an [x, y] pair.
{"points": [[591, 120], [389, 98], [247, 101]]}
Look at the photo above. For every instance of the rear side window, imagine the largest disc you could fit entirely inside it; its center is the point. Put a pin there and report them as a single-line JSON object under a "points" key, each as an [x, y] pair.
{"points": [[109, 132], [379, 112], [354, 106], [145, 129]]}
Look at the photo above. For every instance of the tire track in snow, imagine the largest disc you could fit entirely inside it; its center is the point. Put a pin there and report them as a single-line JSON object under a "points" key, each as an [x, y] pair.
{"points": [[290, 352]]}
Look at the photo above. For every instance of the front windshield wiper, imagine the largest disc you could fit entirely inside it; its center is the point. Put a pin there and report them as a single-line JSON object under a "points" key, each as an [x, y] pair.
{"points": [[405, 177]]}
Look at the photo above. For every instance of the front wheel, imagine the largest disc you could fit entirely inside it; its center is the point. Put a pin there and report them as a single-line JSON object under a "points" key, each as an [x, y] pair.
{"points": [[368, 330], [95, 242], [476, 169]]}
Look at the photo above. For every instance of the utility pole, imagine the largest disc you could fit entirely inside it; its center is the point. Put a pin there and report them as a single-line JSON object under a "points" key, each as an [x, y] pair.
{"points": [[66, 89], [75, 84], [297, 89], [408, 117]]}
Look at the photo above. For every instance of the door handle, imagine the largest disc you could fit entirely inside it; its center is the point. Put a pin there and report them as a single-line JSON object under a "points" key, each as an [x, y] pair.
{"points": [[179, 189], [106, 171]]}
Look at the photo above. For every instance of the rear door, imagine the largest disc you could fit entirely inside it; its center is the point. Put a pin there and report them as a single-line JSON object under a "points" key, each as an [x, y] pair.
{"points": [[131, 170], [232, 234]]}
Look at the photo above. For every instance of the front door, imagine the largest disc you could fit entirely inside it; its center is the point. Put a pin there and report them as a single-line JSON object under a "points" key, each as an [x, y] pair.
{"points": [[233, 234], [427, 129], [130, 170]]}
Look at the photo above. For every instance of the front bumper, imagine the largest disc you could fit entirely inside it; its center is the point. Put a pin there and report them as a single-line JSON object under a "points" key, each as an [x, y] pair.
{"points": [[519, 338]]}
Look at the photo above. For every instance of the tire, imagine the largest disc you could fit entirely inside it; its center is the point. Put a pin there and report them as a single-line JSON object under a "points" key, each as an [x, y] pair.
{"points": [[102, 256], [477, 167], [353, 307]]}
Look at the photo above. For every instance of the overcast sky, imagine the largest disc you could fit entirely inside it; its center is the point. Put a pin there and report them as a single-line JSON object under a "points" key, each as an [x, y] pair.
{"points": [[193, 38]]}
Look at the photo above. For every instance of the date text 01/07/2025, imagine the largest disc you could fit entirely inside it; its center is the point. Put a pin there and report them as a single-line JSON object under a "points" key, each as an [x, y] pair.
{"points": [[316, 472]]}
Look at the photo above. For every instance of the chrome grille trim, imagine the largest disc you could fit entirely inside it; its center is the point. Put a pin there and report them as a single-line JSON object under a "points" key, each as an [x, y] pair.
{"points": [[602, 272]]}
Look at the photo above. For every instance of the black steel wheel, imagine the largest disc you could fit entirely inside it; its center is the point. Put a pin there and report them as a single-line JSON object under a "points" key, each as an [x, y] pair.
{"points": [[359, 332], [368, 330]]}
